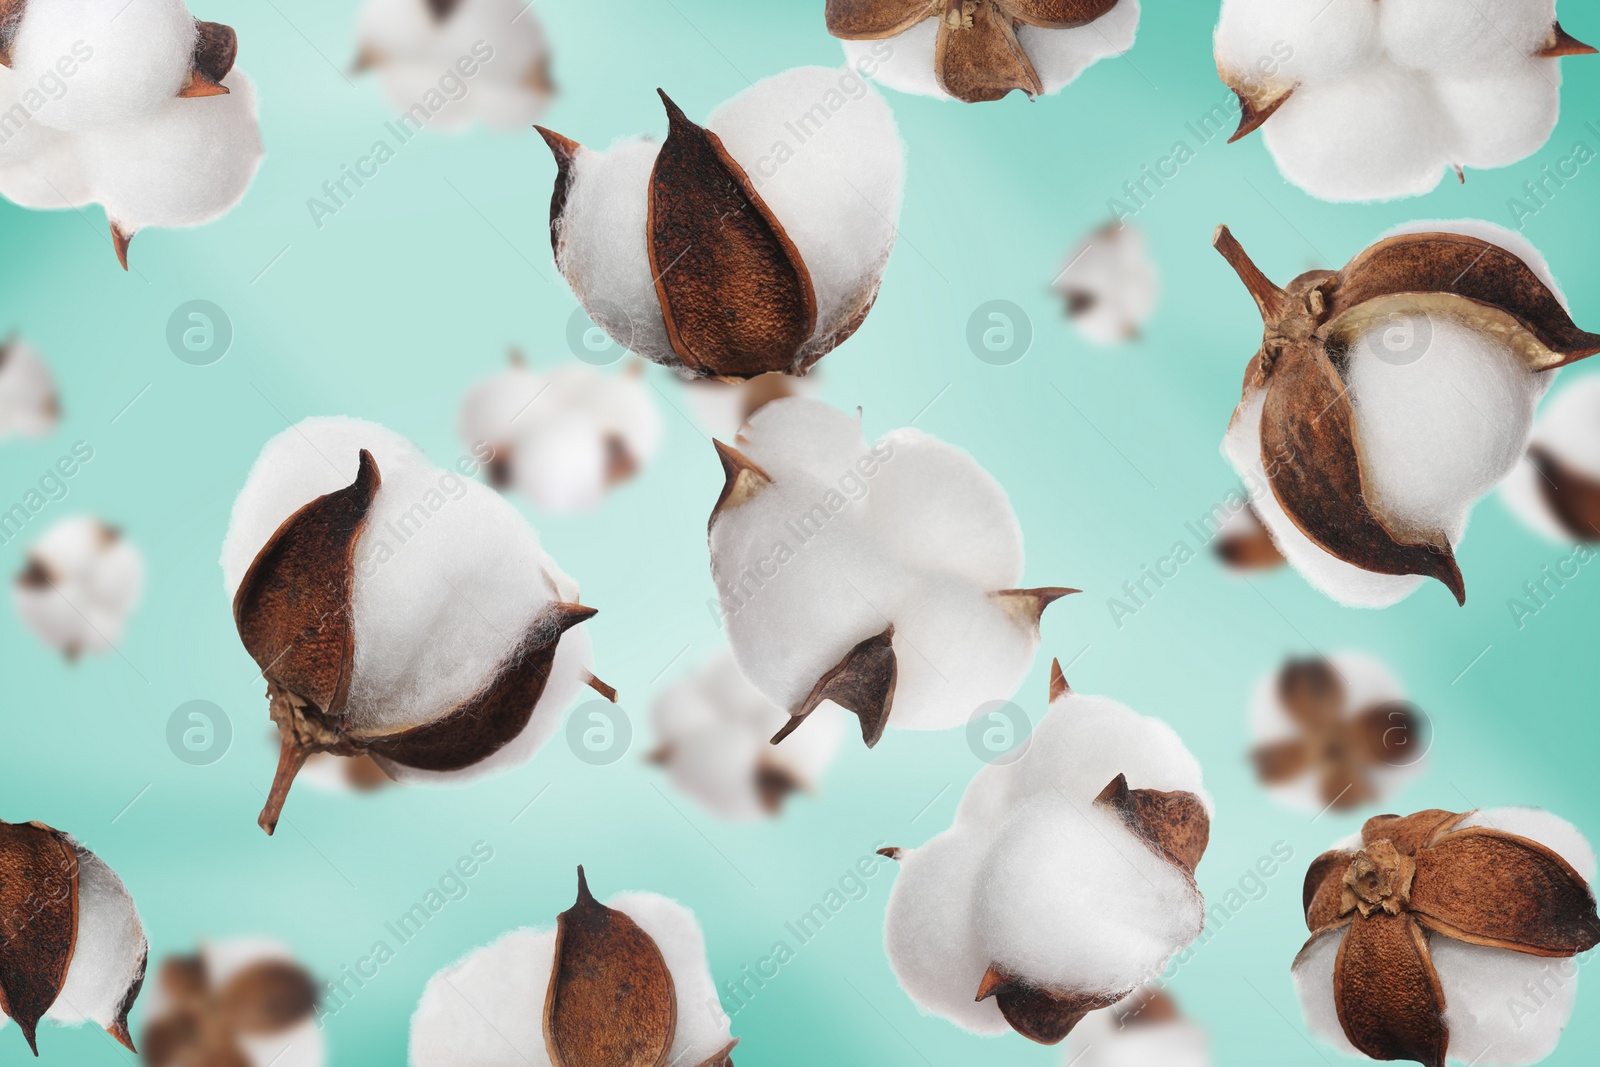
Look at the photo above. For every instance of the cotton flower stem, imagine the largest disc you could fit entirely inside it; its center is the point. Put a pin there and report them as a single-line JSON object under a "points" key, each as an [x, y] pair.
{"points": [[1271, 299]]}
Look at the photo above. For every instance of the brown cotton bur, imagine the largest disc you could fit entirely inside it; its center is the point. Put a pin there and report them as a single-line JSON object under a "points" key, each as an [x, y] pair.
{"points": [[1418, 874], [38, 921], [203, 1024], [216, 47], [1571, 495], [977, 55], [293, 614], [1307, 413]]}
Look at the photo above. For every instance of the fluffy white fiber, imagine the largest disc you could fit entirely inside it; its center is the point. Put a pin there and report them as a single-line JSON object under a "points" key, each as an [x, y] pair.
{"points": [[1033, 877], [1442, 412], [40, 166], [29, 404], [500, 41], [91, 581], [560, 431], [1503, 1008], [835, 186], [713, 728], [1110, 285], [906, 61], [1388, 97], [1569, 429], [849, 539], [1102, 1040], [448, 578], [487, 1010], [110, 948]]}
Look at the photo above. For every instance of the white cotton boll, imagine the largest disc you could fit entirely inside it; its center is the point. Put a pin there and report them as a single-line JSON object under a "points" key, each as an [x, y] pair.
{"points": [[1344, 582], [1110, 285], [1444, 35], [110, 951], [29, 404], [128, 57], [1313, 981], [602, 252], [929, 934], [838, 193], [1059, 56], [1569, 429], [1299, 40], [1504, 116], [1375, 134], [703, 1027], [83, 583], [1494, 1020], [486, 1010], [1102, 1040], [186, 163], [1073, 901], [904, 62]]}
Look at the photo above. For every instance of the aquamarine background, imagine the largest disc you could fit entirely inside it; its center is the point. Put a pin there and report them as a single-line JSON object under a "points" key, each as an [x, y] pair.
{"points": [[415, 290]]}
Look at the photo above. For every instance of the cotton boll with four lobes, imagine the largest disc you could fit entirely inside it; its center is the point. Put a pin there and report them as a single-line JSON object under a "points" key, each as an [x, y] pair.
{"points": [[712, 730], [81, 584], [893, 589], [1555, 487], [563, 438], [1109, 285], [461, 654], [817, 233], [241, 1000], [128, 58], [29, 403]]}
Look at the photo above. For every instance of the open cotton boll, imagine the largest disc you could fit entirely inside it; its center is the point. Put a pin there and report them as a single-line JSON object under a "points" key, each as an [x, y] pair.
{"points": [[110, 953], [127, 57], [1109, 285], [1297, 40], [1568, 429], [29, 405], [82, 583], [1059, 56], [184, 163], [485, 1009], [1073, 901], [1441, 35]]}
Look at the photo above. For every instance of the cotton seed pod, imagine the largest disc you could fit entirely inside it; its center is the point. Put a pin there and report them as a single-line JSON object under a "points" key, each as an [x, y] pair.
{"points": [[711, 732], [81, 584], [722, 408], [72, 949], [1244, 544], [1109, 285], [1145, 1030], [1555, 487], [882, 578], [1365, 407], [764, 241], [1050, 896], [563, 439], [29, 403], [1429, 930], [621, 983], [463, 60], [397, 610], [237, 1003], [980, 50], [1335, 733], [1362, 100]]}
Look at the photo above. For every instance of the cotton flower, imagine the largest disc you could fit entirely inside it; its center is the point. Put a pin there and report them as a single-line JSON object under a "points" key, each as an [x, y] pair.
{"points": [[1362, 100], [1052, 896], [1442, 935], [81, 584], [1109, 285], [74, 950], [243, 1002], [979, 50], [882, 578], [1555, 487], [117, 102], [629, 976], [29, 404], [1144, 1030], [564, 438], [711, 733], [396, 609], [764, 233], [461, 60], [1391, 394]]}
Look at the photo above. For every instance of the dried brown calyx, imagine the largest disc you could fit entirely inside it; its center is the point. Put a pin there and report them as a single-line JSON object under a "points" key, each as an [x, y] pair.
{"points": [[1173, 825], [293, 613], [1572, 496], [204, 1023], [215, 49], [977, 56], [1342, 750], [11, 12], [1308, 414], [1248, 546], [1422, 873], [38, 921], [611, 1000], [735, 293]]}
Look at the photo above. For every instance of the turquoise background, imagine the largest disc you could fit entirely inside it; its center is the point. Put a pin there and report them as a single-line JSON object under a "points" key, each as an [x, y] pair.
{"points": [[415, 290]]}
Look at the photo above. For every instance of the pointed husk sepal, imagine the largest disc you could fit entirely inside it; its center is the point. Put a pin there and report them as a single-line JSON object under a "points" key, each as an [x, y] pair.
{"points": [[862, 683], [38, 921], [1038, 1014], [216, 47]]}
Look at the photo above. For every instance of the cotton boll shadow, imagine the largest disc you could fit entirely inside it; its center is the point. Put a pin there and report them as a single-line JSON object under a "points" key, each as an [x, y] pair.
{"points": [[601, 338], [999, 732], [599, 733], [1400, 338], [999, 333], [199, 733]]}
